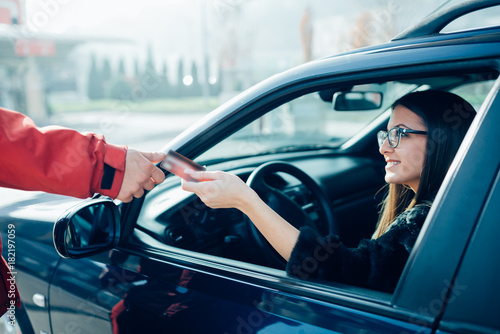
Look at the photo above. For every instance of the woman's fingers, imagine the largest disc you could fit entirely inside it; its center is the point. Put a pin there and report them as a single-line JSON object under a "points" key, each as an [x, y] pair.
{"points": [[218, 189]]}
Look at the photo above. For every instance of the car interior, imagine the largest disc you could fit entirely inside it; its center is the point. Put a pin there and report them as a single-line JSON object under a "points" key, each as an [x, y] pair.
{"points": [[330, 135]]}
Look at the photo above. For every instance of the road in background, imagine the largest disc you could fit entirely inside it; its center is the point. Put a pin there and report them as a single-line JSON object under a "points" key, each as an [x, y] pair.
{"points": [[143, 131]]}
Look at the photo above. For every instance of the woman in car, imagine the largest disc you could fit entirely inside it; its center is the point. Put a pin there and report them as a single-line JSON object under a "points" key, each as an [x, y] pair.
{"points": [[424, 133]]}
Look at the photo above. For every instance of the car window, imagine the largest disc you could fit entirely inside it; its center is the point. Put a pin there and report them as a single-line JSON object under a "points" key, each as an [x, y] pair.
{"points": [[475, 92], [307, 122], [482, 18]]}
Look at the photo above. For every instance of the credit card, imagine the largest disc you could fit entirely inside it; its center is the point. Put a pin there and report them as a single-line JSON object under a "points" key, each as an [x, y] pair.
{"points": [[176, 163]]}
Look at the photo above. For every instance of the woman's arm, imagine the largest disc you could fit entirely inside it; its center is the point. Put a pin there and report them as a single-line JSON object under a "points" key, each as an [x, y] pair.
{"points": [[224, 190]]}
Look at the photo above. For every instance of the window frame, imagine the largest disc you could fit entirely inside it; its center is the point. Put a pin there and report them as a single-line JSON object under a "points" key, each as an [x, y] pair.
{"points": [[446, 253], [397, 306]]}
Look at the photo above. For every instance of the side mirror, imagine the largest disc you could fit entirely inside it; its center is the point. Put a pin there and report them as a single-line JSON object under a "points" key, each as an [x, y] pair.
{"points": [[357, 101], [88, 228]]}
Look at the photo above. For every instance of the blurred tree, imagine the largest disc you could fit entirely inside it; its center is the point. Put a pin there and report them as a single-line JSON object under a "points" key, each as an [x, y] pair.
{"points": [[121, 67], [375, 26], [95, 87], [120, 88], [106, 75], [195, 87], [219, 83], [150, 64], [362, 34], [205, 84], [150, 78], [180, 77], [236, 48], [306, 32], [106, 71], [165, 89], [137, 72]]}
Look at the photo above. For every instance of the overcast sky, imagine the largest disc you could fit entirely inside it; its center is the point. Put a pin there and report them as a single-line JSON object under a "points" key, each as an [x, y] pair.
{"points": [[267, 32]]}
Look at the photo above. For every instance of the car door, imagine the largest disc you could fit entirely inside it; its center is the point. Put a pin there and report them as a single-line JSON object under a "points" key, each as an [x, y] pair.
{"points": [[134, 294], [146, 286], [475, 299]]}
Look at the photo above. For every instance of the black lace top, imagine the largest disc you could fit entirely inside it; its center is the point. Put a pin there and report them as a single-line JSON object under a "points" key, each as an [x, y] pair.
{"points": [[375, 263]]}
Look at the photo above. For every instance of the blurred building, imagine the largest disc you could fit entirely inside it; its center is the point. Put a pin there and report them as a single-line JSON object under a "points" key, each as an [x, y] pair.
{"points": [[28, 62]]}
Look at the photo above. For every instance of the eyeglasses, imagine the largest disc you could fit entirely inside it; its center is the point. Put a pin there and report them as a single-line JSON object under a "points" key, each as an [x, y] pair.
{"points": [[394, 136]]}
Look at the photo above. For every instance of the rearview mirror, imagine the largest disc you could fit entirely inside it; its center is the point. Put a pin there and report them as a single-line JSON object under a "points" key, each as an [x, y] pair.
{"points": [[89, 228], [357, 101]]}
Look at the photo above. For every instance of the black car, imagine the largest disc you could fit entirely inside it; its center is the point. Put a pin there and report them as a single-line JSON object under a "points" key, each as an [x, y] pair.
{"points": [[166, 263]]}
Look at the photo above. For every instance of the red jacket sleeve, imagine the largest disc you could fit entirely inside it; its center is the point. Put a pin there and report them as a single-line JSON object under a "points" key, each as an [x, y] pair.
{"points": [[57, 160]]}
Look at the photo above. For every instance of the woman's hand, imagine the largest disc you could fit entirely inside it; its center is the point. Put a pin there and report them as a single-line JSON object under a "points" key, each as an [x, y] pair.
{"points": [[219, 189], [223, 190]]}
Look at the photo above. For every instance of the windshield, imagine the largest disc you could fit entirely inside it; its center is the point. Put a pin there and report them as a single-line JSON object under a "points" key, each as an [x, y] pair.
{"points": [[307, 122]]}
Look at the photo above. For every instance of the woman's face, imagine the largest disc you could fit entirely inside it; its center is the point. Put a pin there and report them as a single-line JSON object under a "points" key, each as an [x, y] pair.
{"points": [[404, 163]]}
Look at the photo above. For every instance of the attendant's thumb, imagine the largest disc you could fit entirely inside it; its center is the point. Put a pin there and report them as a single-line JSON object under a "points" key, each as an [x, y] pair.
{"points": [[154, 156]]}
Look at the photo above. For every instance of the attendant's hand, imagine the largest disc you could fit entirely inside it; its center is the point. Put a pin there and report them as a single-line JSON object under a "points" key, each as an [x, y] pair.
{"points": [[140, 174]]}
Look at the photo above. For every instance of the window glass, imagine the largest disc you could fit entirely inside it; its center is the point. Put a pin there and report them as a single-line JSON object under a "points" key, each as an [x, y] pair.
{"points": [[475, 93], [307, 122], [482, 18]]}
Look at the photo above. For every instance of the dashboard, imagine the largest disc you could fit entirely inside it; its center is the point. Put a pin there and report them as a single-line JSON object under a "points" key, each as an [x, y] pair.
{"points": [[179, 219]]}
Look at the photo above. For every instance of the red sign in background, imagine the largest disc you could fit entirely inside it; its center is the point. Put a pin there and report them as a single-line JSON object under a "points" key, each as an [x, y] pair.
{"points": [[34, 47]]}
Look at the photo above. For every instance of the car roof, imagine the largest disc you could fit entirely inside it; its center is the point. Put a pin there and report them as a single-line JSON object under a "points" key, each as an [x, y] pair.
{"points": [[436, 22]]}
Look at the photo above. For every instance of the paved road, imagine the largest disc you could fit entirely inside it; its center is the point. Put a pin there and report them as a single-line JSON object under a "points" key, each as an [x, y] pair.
{"points": [[141, 131]]}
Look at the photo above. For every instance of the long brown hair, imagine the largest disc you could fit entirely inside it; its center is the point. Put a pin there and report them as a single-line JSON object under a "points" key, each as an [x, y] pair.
{"points": [[447, 117]]}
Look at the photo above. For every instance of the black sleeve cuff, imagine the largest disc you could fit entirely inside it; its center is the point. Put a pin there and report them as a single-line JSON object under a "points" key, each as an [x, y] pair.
{"points": [[312, 255], [108, 177]]}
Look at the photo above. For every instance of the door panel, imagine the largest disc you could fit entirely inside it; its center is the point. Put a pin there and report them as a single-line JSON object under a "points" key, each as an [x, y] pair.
{"points": [[132, 294], [79, 302]]}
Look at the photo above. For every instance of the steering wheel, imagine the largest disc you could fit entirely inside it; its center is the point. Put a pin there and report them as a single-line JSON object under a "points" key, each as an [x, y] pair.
{"points": [[287, 208]]}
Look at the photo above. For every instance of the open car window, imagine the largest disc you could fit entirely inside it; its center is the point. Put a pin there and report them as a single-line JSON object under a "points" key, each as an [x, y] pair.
{"points": [[308, 122], [311, 121]]}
